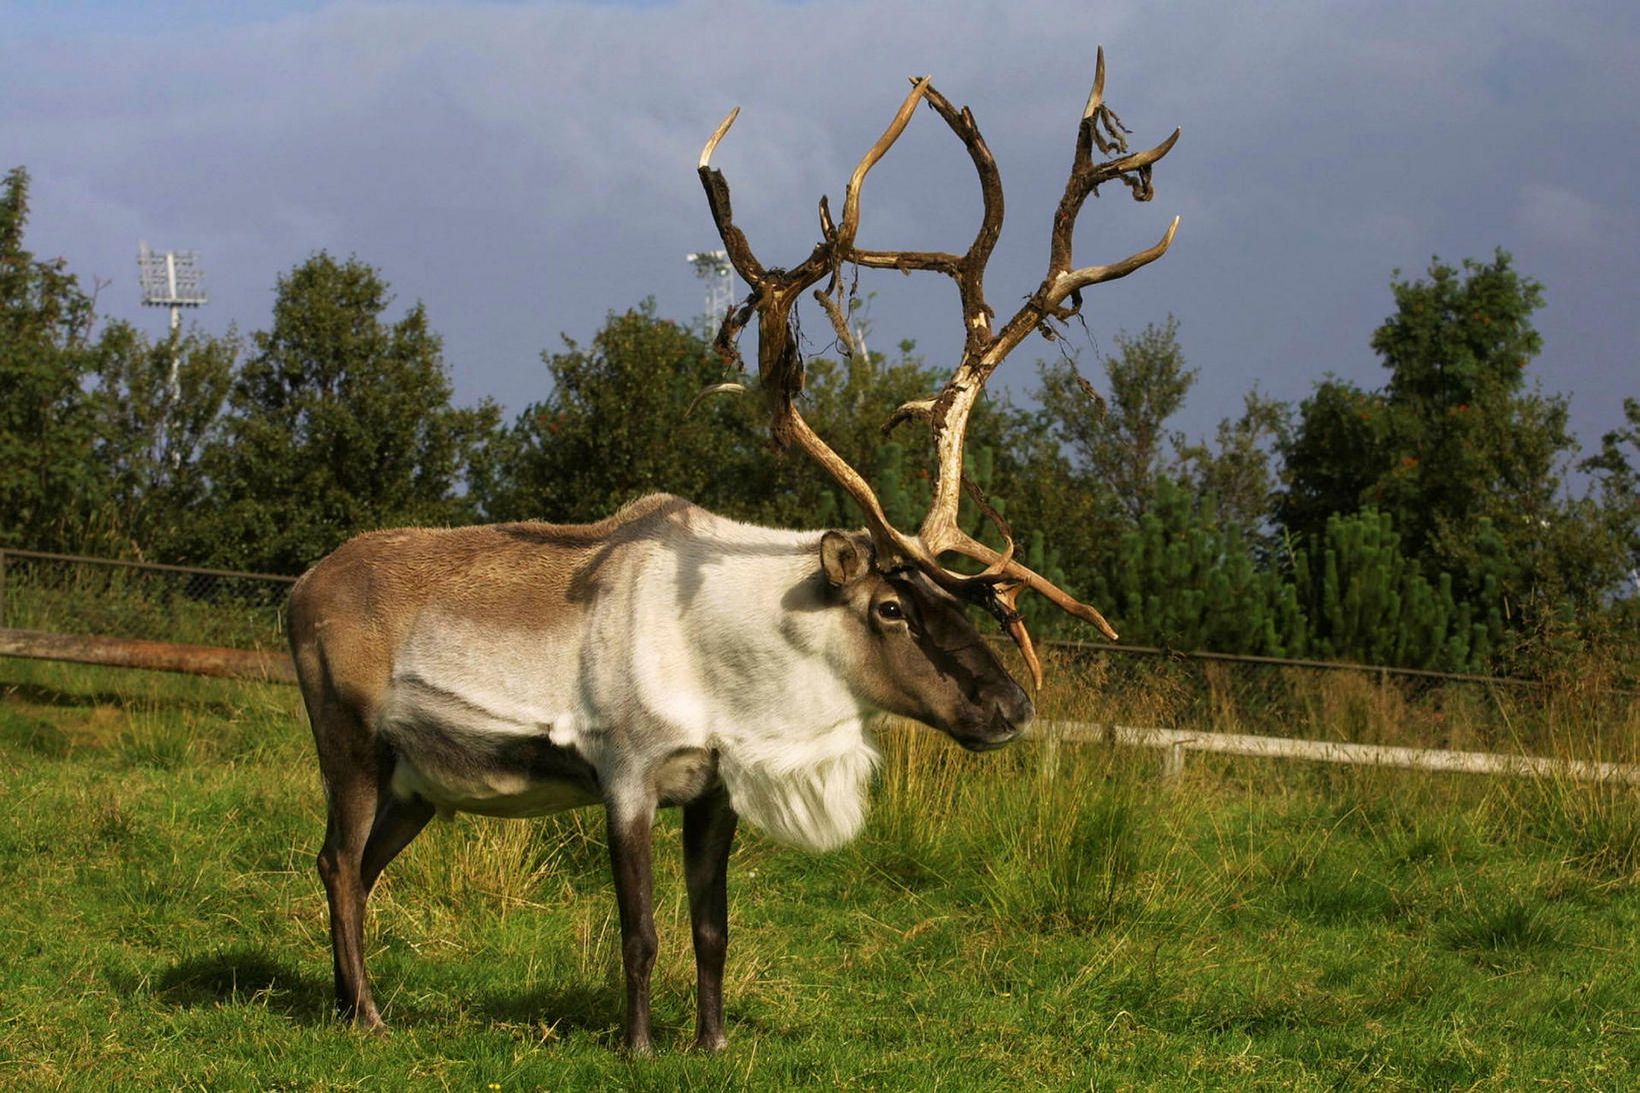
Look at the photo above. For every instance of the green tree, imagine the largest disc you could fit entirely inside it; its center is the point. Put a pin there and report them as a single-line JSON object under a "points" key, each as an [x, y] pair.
{"points": [[1333, 457], [623, 419], [1128, 499], [340, 421], [1120, 443], [1181, 577], [1617, 469], [49, 483], [1085, 466], [1466, 437], [1456, 449], [617, 425], [1364, 600], [1238, 471], [156, 407]]}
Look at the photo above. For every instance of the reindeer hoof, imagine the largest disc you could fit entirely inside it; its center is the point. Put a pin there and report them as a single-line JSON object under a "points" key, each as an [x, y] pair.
{"points": [[363, 1020]]}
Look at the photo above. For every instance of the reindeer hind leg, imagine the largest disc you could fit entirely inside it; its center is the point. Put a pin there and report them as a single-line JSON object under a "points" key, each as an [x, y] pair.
{"points": [[349, 766]]}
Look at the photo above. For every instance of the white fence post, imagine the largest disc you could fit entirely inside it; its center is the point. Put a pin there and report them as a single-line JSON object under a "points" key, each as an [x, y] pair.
{"points": [[1173, 764]]}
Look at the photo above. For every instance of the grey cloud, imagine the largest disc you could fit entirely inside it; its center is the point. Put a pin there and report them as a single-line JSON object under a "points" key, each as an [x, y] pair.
{"points": [[524, 168]]}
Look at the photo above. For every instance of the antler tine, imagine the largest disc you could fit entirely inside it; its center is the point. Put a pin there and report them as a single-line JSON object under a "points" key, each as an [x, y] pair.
{"points": [[851, 198], [717, 199], [839, 322], [948, 413], [774, 293], [920, 408], [1000, 566], [968, 271], [1064, 279], [712, 389], [1096, 97], [1075, 279], [1007, 612], [1015, 571], [717, 135]]}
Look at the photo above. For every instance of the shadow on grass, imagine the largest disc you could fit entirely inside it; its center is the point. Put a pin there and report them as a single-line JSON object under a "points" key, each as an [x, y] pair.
{"points": [[38, 735], [248, 976], [579, 1007], [41, 694], [244, 976]]}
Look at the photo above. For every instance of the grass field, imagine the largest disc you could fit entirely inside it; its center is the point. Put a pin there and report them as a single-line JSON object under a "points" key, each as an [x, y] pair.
{"points": [[1037, 918]]}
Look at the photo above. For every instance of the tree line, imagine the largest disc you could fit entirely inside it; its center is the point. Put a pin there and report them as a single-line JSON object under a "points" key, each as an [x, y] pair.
{"points": [[1427, 522]]}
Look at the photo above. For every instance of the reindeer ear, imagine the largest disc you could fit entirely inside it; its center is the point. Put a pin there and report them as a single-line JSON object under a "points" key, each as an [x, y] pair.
{"points": [[844, 558]]}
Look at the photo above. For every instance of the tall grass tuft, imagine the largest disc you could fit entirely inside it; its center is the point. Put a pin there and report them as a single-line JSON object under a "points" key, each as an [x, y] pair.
{"points": [[1510, 926], [1063, 845], [1594, 825], [1044, 834], [923, 790]]}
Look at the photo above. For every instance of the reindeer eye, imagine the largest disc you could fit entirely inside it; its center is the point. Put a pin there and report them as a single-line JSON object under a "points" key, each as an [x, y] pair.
{"points": [[888, 609]]}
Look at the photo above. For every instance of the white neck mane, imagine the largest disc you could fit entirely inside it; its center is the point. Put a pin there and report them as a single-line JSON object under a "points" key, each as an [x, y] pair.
{"points": [[813, 794]]}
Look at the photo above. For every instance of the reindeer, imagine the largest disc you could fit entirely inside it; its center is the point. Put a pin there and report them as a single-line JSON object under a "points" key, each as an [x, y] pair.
{"points": [[667, 656]]}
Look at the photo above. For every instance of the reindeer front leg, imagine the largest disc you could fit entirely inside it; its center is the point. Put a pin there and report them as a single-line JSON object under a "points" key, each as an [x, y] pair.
{"points": [[708, 833], [630, 825]]}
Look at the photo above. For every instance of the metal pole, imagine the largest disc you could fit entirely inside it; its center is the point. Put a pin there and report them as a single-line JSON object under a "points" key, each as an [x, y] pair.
{"points": [[176, 322]]}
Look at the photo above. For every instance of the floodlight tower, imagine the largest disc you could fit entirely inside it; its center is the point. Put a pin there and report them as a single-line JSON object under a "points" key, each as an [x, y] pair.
{"points": [[171, 279], [712, 267]]}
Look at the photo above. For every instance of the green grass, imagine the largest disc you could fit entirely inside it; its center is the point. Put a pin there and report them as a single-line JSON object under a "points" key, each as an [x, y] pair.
{"points": [[1035, 918]]}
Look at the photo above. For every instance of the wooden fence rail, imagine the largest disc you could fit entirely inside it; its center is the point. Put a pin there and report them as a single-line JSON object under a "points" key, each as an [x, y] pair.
{"points": [[160, 656]]}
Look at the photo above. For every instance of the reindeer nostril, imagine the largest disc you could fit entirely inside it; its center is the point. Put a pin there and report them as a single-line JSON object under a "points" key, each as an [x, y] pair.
{"points": [[1022, 711]]}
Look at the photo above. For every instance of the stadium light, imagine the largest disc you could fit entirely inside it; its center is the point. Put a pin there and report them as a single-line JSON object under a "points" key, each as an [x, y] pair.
{"points": [[170, 279]]}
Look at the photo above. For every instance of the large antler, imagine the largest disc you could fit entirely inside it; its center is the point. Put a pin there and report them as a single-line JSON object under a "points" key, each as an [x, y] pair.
{"points": [[1057, 298]]}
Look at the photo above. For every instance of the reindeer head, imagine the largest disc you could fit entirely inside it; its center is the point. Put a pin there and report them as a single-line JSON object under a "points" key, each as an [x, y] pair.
{"points": [[911, 650]]}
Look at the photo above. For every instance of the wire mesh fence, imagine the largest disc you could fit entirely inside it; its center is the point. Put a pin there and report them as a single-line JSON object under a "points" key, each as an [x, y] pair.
{"points": [[1582, 714], [72, 594]]}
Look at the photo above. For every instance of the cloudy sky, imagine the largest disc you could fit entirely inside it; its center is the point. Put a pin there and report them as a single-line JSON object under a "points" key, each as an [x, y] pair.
{"points": [[525, 168]]}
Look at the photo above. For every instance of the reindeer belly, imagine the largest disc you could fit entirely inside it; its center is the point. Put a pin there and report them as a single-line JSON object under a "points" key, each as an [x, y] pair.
{"points": [[466, 750]]}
